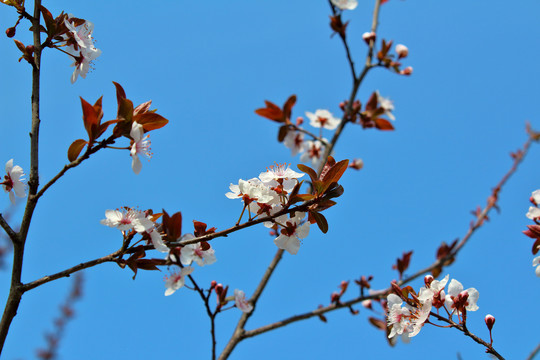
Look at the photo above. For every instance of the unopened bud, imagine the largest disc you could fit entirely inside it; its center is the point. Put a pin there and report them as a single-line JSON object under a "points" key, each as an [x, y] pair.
{"points": [[213, 284], [357, 164], [407, 71], [428, 279], [334, 298], [490, 321], [342, 105], [368, 36], [10, 32], [299, 121], [219, 289], [402, 51], [367, 304]]}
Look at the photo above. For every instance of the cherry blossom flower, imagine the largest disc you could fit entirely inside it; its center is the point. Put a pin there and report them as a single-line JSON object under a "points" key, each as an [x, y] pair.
{"points": [[323, 118], [141, 145], [194, 252], [127, 219], [402, 51], [407, 71], [157, 241], [314, 151], [535, 197], [536, 262], [294, 140], [241, 302], [249, 191], [533, 213], [357, 164], [387, 105], [368, 36], [290, 235], [279, 171], [345, 4], [457, 298], [83, 49], [408, 319], [13, 181], [176, 280], [434, 292]]}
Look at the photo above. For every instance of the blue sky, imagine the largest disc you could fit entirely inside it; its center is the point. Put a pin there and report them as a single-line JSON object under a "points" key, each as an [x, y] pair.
{"points": [[207, 66]]}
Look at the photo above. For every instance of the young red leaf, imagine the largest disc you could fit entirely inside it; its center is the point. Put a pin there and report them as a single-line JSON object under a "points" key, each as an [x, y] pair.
{"points": [[287, 108], [312, 174], [90, 119], [120, 93], [172, 225], [334, 173], [143, 108], [282, 133], [271, 111], [150, 121], [378, 323], [320, 219], [383, 124], [75, 149], [49, 20]]}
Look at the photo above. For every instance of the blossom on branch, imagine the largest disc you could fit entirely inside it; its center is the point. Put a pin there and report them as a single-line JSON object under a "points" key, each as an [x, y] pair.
{"points": [[241, 302], [140, 146], [314, 151], [176, 280], [126, 219], [80, 46], [291, 233], [387, 105], [345, 4], [323, 118], [457, 299], [13, 181], [196, 252], [294, 140], [536, 262], [407, 320]]}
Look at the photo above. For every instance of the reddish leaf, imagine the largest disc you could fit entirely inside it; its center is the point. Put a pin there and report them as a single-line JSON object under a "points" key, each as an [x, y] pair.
{"points": [[287, 108], [282, 133], [383, 124], [142, 108], [271, 111], [125, 110], [75, 149], [150, 121], [49, 20], [103, 127], [320, 219], [172, 225], [334, 173], [120, 93], [90, 119], [378, 323], [20, 45], [312, 174]]}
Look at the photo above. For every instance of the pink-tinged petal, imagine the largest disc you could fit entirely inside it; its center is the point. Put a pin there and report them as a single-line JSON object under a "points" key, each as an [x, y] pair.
{"points": [[289, 243], [9, 166], [157, 241], [473, 299], [240, 301], [142, 224], [136, 164]]}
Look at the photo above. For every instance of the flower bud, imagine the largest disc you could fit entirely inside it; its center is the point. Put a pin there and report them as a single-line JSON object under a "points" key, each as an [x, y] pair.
{"points": [[367, 304], [490, 321], [10, 32], [334, 298], [407, 71], [402, 51], [428, 279], [299, 121], [342, 105], [219, 289], [356, 164], [368, 36], [213, 284]]}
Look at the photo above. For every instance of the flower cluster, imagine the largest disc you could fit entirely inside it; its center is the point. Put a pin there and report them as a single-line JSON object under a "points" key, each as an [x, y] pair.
{"points": [[80, 45], [533, 231], [312, 150], [267, 195], [13, 181], [406, 316]]}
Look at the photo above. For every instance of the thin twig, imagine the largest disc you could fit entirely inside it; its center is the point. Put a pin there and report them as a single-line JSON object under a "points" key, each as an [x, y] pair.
{"points": [[11, 233], [534, 353], [15, 292], [211, 315]]}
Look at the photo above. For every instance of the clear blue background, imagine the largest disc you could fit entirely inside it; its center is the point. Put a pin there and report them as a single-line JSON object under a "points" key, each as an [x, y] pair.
{"points": [[207, 66]]}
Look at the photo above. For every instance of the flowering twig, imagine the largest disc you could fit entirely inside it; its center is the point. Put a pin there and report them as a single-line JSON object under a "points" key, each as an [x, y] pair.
{"points": [[482, 215], [241, 334], [15, 292], [466, 332]]}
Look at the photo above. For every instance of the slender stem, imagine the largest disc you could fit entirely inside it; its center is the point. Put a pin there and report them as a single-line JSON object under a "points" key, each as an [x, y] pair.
{"points": [[66, 273], [534, 353], [239, 332], [11, 233], [211, 315], [15, 291]]}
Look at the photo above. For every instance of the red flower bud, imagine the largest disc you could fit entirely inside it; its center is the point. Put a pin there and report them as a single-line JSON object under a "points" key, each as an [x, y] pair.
{"points": [[10, 32], [490, 321]]}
